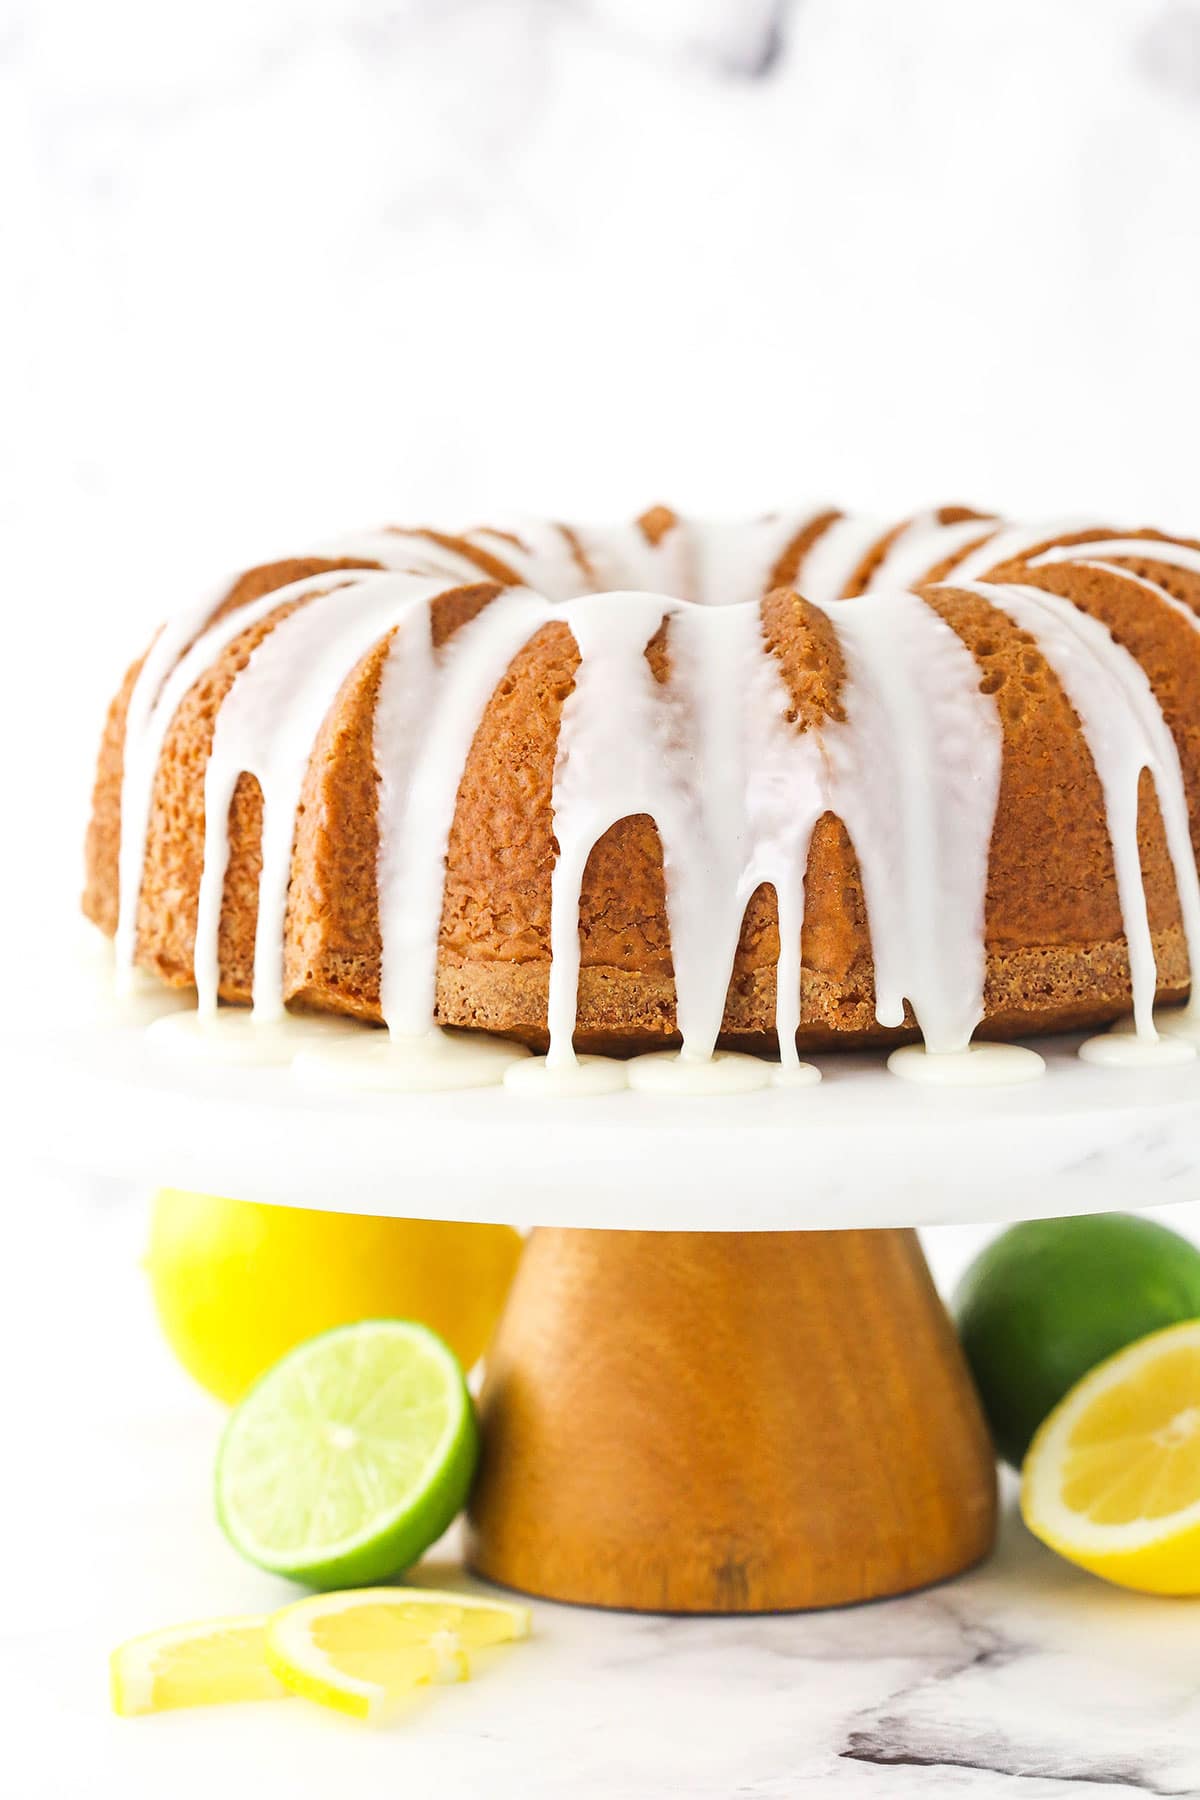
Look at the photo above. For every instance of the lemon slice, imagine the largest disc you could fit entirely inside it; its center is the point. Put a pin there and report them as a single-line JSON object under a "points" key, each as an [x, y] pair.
{"points": [[359, 1651], [1112, 1479], [204, 1664]]}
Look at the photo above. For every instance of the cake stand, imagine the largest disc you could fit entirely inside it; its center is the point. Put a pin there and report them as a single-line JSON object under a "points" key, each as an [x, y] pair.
{"points": [[724, 1381]]}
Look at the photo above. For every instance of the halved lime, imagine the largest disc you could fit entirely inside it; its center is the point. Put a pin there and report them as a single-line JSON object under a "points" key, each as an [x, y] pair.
{"points": [[350, 1457]]}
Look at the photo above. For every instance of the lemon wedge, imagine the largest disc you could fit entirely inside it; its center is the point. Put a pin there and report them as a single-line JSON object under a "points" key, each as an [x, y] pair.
{"points": [[1112, 1479], [359, 1651], [204, 1664]]}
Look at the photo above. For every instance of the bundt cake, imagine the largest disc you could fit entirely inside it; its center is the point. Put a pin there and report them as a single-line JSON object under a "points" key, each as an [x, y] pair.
{"points": [[807, 782]]}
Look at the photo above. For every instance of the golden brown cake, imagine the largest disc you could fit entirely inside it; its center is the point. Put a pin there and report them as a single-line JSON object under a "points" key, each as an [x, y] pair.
{"points": [[959, 759]]}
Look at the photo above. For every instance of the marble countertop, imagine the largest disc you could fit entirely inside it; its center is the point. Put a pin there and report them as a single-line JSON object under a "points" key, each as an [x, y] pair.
{"points": [[1024, 1678], [1021, 1671]]}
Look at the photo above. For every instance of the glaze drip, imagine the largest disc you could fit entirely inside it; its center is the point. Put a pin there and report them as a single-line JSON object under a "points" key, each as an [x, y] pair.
{"points": [[182, 651], [706, 743], [1126, 734], [267, 727], [430, 707], [915, 778]]}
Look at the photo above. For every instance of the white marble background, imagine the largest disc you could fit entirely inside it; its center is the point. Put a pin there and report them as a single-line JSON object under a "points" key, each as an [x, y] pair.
{"points": [[273, 267], [270, 268], [448, 250]]}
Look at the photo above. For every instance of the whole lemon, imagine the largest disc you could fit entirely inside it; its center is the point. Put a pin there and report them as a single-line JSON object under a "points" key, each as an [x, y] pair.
{"points": [[237, 1284]]}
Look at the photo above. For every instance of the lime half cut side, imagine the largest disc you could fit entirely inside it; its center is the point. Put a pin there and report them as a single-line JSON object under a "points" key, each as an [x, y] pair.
{"points": [[350, 1457]]}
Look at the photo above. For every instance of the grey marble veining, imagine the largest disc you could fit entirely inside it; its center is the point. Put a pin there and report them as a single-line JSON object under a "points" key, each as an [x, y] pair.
{"points": [[1023, 1671], [1025, 1679], [1168, 52], [744, 39], [275, 270]]}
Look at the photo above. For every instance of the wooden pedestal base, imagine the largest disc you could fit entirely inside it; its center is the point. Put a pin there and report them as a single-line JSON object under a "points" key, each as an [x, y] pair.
{"points": [[716, 1422]]}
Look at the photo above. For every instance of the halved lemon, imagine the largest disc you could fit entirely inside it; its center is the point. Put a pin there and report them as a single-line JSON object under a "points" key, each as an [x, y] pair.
{"points": [[204, 1664], [360, 1651], [1112, 1479]]}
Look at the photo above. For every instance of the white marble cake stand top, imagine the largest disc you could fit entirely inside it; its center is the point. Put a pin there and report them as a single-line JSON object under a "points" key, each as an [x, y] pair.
{"points": [[861, 1149]]}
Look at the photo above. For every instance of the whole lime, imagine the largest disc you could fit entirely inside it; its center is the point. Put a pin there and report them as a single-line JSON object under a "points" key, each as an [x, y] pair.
{"points": [[237, 1285], [1051, 1298]]}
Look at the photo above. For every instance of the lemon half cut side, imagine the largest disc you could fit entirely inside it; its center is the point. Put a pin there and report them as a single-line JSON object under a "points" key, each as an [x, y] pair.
{"points": [[1112, 1479]]}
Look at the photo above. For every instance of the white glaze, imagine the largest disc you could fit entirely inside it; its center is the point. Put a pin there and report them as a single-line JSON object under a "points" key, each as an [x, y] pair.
{"points": [[1169, 776], [724, 1072], [924, 544], [732, 560], [622, 557], [266, 728], [421, 756], [1119, 1050], [177, 659], [1169, 1021], [1152, 550], [1013, 541], [233, 1035], [734, 787], [1147, 586], [1125, 731], [579, 1079], [786, 791], [539, 552], [756, 791], [613, 761], [795, 1075], [384, 1062], [136, 1001], [829, 563], [862, 1149], [915, 774], [1179, 1021], [145, 725], [407, 552], [978, 1065]]}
